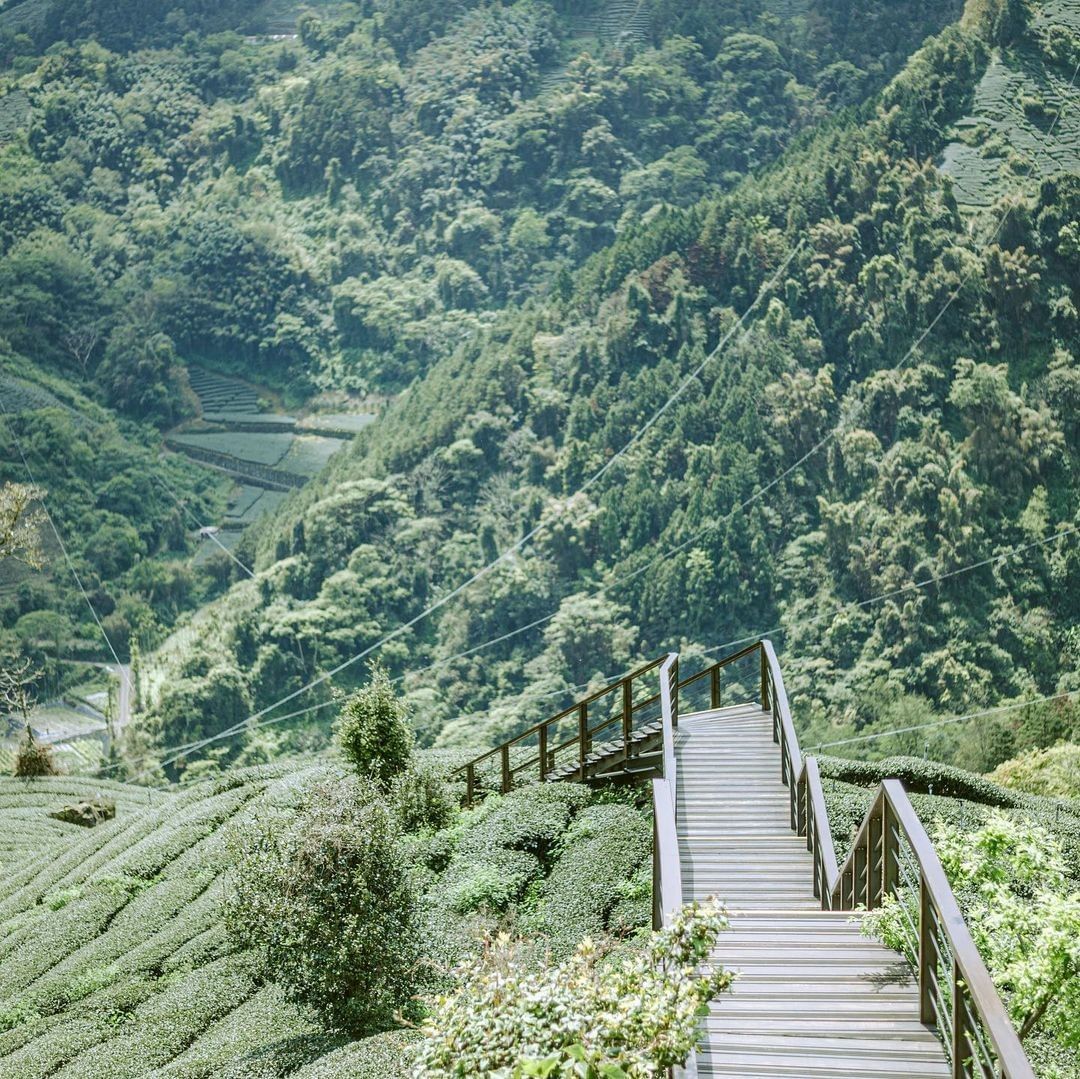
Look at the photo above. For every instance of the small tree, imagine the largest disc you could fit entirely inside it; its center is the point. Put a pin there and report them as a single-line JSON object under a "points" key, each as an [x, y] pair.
{"points": [[33, 758], [327, 898], [374, 732], [581, 1018]]}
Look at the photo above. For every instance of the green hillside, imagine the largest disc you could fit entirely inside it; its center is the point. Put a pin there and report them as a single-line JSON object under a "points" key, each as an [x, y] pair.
{"points": [[116, 961], [1022, 123], [904, 393]]}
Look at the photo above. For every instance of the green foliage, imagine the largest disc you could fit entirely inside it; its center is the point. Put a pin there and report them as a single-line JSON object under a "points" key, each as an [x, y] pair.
{"points": [[1054, 772], [373, 729], [604, 842], [327, 899], [1024, 915], [422, 798], [582, 1017]]}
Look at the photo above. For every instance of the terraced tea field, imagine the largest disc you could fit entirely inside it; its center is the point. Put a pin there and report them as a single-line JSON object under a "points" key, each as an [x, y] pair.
{"points": [[114, 959], [75, 735], [612, 22], [114, 962], [1025, 122], [14, 114], [20, 396], [23, 16], [249, 505]]}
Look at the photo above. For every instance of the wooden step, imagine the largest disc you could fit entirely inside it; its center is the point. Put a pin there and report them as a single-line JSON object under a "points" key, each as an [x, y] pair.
{"points": [[814, 999]]}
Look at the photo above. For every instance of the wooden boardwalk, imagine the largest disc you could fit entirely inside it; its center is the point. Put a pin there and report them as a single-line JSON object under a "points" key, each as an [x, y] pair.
{"points": [[814, 997]]}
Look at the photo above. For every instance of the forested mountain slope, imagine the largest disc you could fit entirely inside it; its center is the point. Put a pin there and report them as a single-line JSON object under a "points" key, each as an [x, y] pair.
{"points": [[336, 212], [899, 407]]}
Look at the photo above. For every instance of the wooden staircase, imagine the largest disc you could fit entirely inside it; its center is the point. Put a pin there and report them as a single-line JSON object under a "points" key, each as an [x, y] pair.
{"points": [[740, 815], [813, 997]]}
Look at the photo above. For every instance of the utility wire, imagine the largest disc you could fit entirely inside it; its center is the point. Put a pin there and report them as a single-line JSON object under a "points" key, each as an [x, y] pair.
{"points": [[520, 543], [946, 722], [183, 750], [203, 530], [121, 669], [912, 586], [756, 496]]}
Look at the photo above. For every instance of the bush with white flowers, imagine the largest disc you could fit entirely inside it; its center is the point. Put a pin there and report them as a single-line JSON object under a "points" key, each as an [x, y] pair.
{"points": [[630, 1017]]}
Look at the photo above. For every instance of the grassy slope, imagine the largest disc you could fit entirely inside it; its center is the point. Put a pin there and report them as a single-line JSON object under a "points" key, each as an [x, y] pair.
{"points": [[1001, 141], [114, 962]]}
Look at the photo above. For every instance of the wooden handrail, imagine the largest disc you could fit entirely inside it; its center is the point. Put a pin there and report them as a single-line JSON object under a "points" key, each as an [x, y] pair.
{"points": [[545, 759], [872, 871], [980, 1038]]}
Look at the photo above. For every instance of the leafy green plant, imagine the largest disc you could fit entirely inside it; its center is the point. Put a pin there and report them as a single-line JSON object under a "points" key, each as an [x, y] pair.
{"points": [[1024, 915], [625, 1018], [327, 899], [1054, 771], [373, 731]]}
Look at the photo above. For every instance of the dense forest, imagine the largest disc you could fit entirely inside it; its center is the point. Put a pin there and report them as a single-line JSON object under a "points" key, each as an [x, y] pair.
{"points": [[530, 247], [640, 326]]}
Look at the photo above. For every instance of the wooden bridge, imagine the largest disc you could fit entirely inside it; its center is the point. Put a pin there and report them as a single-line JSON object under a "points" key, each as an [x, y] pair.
{"points": [[741, 815]]}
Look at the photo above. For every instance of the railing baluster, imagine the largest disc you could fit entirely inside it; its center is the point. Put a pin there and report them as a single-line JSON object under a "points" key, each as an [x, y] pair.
{"points": [[627, 714], [506, 778], [960, 1050], [543, 743], [874, 837], [583, 737], [927, 956]]}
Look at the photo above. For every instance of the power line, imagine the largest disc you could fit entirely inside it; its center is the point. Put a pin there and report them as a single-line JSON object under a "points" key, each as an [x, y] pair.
{"points": [[520, 543], [946, 722], [122, 670], [913, 586], [756, 496], [203, 530]]}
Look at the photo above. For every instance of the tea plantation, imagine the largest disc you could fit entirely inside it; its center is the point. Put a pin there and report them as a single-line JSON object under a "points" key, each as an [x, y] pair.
{"points": [[1018, 125], [115, 961]]}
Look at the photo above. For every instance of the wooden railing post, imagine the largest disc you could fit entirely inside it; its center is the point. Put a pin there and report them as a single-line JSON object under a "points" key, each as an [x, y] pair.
{"points": [[765, 702], [673, 684], [470, 784], [583, 737], [714, 687], [627, 714], [543, 743], [507, 780], [657, 901], [927, 957]]}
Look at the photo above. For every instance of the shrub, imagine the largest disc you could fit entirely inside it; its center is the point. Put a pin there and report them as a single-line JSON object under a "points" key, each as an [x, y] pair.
{"points": [[921, 776], [1054, 772], [34, 758], [502, 846], [627, 1018], [1024, 916], [373, 731], [422, 798], [327, 897], [604, 843]]}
